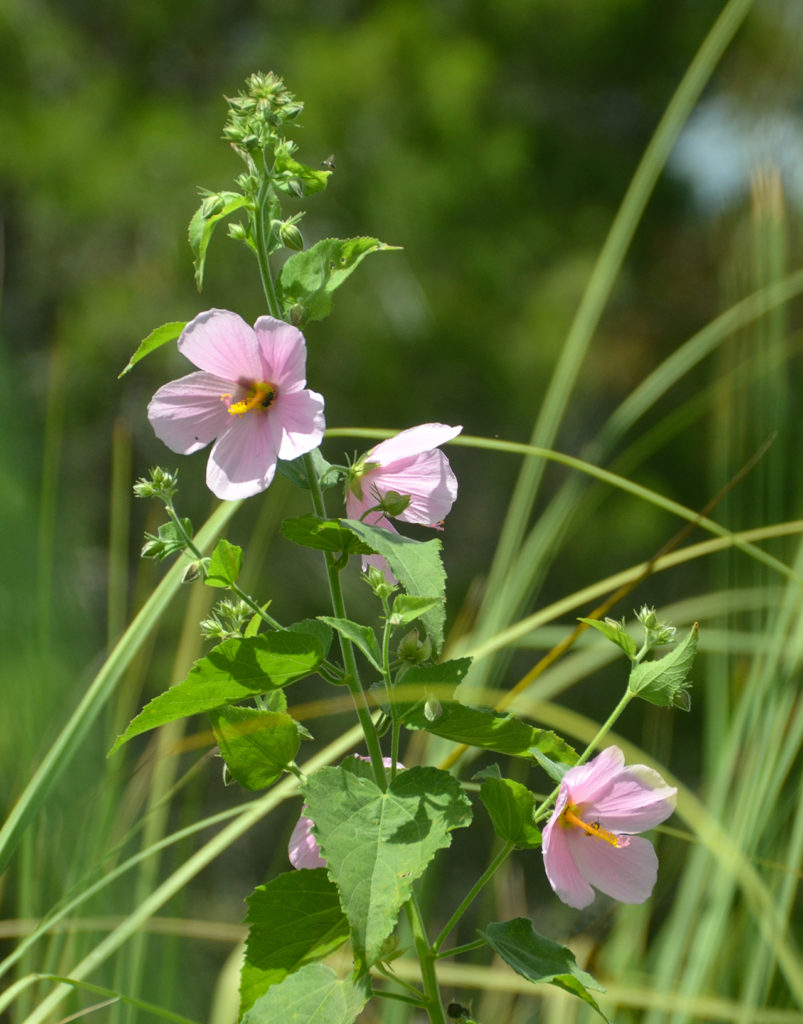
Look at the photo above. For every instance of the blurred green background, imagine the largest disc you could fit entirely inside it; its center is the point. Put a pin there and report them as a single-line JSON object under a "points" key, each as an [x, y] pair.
{"points": [[494, 142]]}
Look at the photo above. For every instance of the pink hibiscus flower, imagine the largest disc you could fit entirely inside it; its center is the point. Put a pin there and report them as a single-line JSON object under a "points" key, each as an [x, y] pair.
{"points": [[303, 850], [248, 394], [405, 477], [589, 839]]}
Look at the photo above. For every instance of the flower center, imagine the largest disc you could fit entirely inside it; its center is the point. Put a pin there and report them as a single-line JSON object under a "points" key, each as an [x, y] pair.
{"points": [[569, 818], [259, 397]]}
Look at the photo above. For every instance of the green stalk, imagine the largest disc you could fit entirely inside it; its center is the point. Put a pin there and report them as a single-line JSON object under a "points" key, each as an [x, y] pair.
{"points": [[426, 958], [472, 894], [262, 242], [352, 679]]}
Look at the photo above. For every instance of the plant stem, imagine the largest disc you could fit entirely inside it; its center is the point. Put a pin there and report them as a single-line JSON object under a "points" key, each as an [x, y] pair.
{"points": [[541, 812], [426, 958], [485, 877], [352, 679], [262, 243]]}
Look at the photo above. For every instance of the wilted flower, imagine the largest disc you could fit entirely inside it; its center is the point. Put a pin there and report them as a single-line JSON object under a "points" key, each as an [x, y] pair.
{"points": [[589, 840], [249, 394], [406, 478], [303, 850]]}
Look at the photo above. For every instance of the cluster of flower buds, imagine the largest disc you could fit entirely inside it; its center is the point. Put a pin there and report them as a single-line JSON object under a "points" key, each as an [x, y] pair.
{"points": [[257, 116]]}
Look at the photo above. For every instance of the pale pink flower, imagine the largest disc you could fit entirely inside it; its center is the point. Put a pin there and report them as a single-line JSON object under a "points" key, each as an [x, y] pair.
{"points": [[407, 477], [589, 838], [249, 394], [303, 850]]}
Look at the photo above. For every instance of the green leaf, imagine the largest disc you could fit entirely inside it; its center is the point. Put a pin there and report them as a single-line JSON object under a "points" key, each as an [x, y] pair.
{"points": [[225, 565], [234, 670], [540, 959], [296, 471], [317, 629], [203, 223], [416, 565], [158, 337], [295, 919], [615, 632], [511, 808], [308, 278], [299, 179], [323, 534], [377, 844], [664, 681], [312, 995], [362, 637], [407, 608], [478, 727], [256, 745]]}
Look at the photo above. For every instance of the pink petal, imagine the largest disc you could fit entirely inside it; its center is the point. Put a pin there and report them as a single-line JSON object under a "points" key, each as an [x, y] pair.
{"points": [[282, 352], [426, 478], [639, 799], [412, 442], [627, 873], [243, 459], [303, 849], [561, 870], [188, 413], [589, 781], [222, 343], [301, 422]]}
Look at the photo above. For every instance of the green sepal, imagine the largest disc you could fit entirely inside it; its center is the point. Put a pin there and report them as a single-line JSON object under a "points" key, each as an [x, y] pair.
{"points": [[159, 336], [307, 279], [225, 565], [170, 540], [407, 608], [295, 919], [295, 471], [204, 221], [615, 632], [416, 564], [234, 670], [311, 995], [361, 636], [312, 531], [257, 746], [297, 179], [539, 959], [665, 681], [511, 806]]}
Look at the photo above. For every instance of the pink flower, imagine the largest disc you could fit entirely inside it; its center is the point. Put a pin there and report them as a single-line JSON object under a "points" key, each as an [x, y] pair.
{"points": [[589, 838], [249, 394], [405, 477], [303, 849]]}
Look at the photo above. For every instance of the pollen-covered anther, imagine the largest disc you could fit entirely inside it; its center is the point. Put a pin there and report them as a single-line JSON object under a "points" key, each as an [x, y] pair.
{"points": [[572, 820], [260, 396]]}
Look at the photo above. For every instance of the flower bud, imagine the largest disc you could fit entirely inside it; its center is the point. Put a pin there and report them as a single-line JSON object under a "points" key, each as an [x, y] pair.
{"points": [[290, 236], [414, 650]]}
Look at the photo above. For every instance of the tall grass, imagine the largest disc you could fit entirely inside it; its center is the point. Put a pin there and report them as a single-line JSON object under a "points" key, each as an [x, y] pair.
{"points": [[720, 940]]}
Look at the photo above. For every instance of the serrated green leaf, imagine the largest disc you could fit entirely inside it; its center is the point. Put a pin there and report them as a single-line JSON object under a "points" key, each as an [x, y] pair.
{"points": [[416, 565], [539, 959], [203, 224], [311, 531], [296, 471], [511, 806], [256, 745], [317, 629], [377, 844], [361, 636], [664, 681], [615, 633], [295, 919], [307, 279], [225, 564], [312, 995], [234, 670], [159, 336]]}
